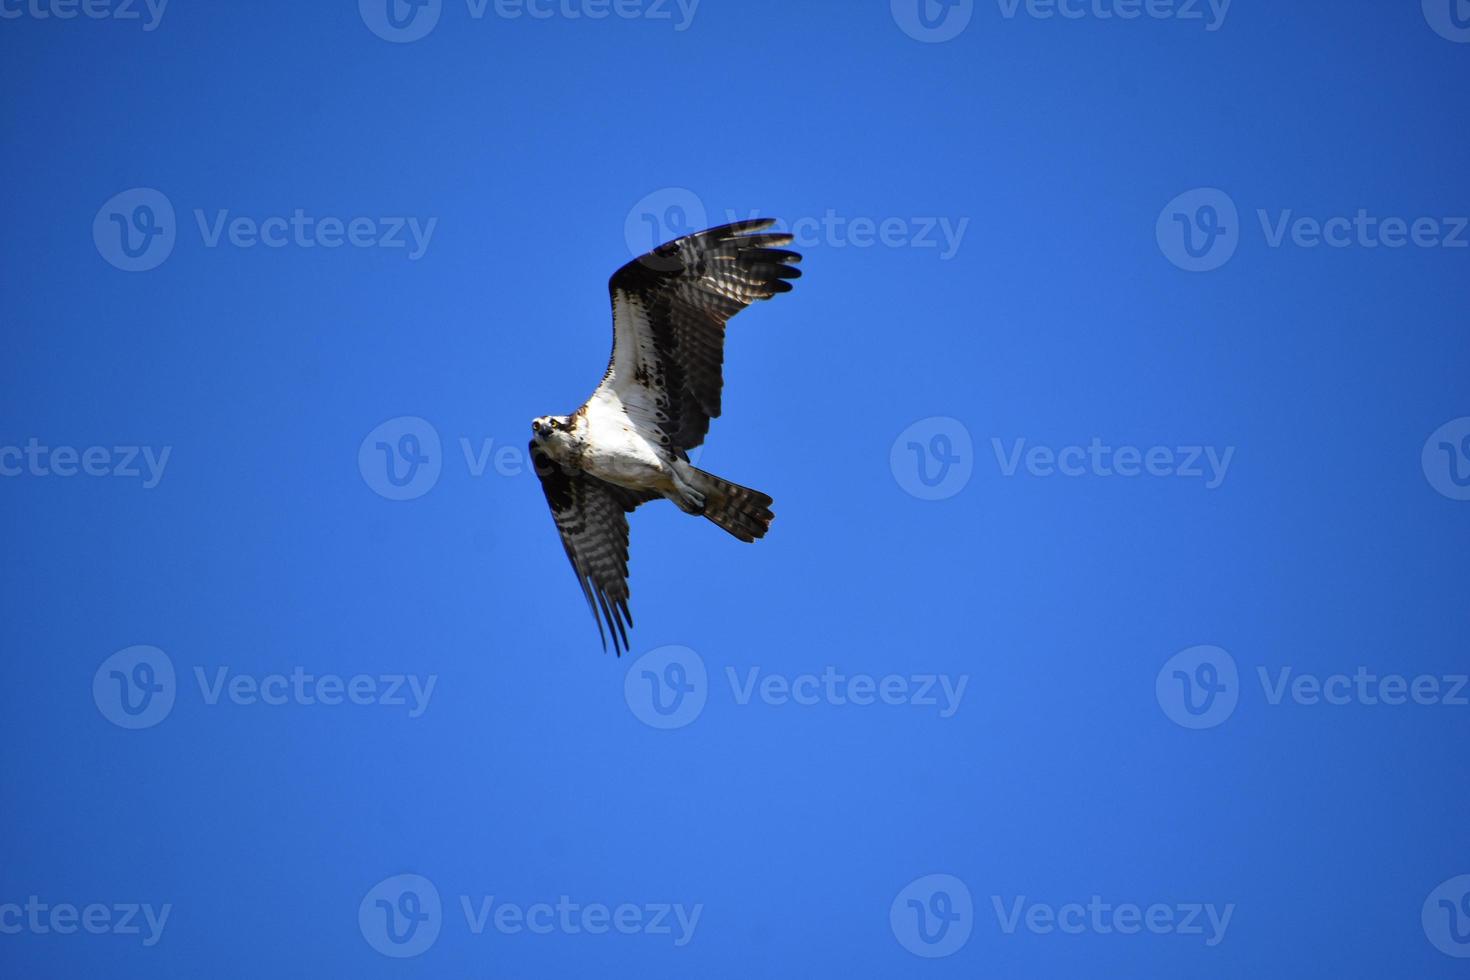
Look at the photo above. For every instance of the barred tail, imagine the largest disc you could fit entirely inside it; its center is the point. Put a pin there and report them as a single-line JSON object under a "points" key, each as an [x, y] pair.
{"points": [[744, 512]]}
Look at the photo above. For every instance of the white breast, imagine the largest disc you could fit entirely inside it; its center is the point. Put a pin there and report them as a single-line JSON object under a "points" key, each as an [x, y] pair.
{"points": [[616, 450]]}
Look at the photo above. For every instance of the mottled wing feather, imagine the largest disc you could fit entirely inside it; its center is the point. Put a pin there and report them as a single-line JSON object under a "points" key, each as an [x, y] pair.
{"points": [[592, 517], [669, 313]]}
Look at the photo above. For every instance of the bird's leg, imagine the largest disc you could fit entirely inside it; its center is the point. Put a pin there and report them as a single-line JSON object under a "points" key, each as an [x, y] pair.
{"points": [[688, 499]]}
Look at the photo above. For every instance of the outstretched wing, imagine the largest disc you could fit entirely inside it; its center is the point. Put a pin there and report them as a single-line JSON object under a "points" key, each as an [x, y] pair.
{"points": [[592, 516], [669, 313]]}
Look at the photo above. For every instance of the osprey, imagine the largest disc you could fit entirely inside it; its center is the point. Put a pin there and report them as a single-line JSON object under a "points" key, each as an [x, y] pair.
{"points": [[629, 443]]}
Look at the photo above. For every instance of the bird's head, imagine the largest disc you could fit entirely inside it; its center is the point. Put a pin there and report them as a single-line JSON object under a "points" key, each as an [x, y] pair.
{"points": [[544, 428]]}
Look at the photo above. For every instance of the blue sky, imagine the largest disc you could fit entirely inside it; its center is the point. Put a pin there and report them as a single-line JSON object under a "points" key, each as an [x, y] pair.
{"points": [[1119, 433]]}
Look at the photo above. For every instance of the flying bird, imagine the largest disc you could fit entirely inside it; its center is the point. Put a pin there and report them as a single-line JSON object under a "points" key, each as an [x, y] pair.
{"points": [[629, 443]]}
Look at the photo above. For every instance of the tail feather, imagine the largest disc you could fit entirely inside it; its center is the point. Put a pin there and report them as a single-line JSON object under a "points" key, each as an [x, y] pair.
{"points": [[741, 511]]}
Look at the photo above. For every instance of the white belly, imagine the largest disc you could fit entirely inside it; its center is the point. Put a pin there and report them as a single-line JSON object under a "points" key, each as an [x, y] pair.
{"points": [[618, 454]]}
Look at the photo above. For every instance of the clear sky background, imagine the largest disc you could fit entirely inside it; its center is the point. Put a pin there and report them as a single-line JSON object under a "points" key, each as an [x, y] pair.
{"points": [[1079, 759]]}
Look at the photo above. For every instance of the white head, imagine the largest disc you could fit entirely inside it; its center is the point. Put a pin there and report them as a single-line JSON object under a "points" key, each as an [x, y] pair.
{"points": [[547, 427]]}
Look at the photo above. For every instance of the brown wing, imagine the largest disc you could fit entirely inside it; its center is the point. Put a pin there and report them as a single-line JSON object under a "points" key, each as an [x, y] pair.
{"points": [[669, 313], [592, 517]]}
